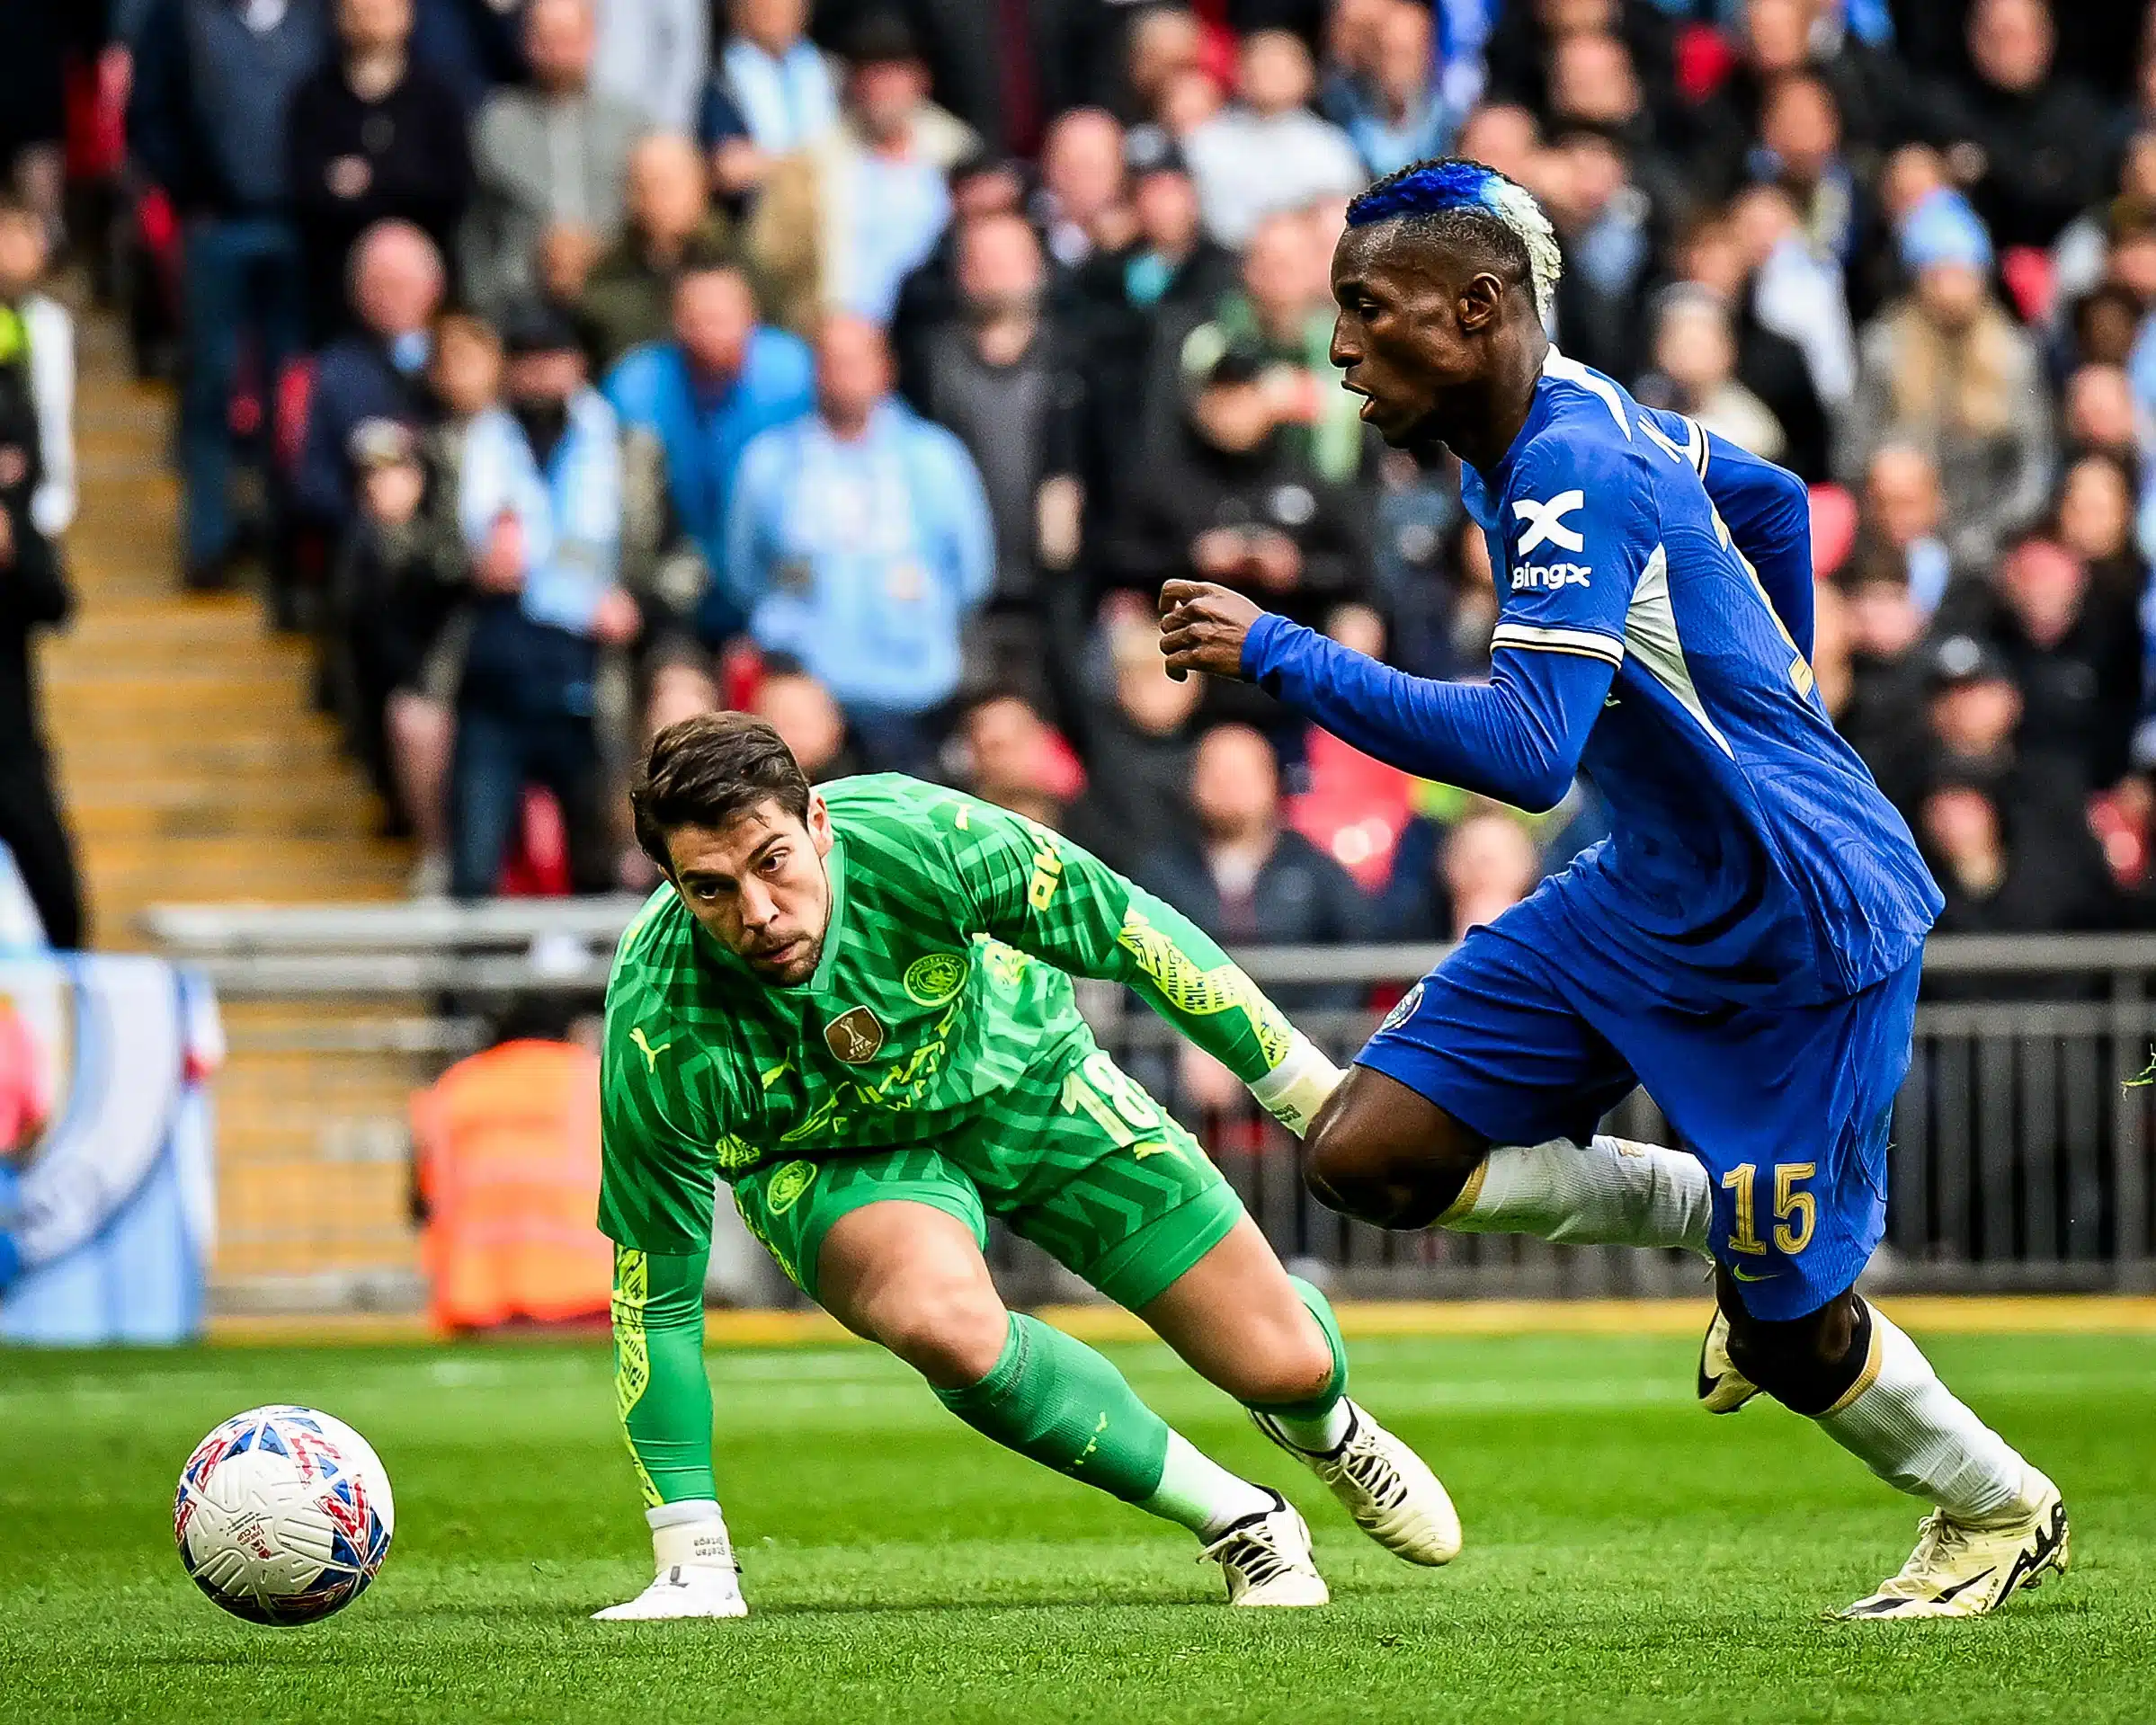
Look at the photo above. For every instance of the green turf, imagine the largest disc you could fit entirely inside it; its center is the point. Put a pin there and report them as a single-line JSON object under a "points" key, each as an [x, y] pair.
{"points": [[1627, 1557]]}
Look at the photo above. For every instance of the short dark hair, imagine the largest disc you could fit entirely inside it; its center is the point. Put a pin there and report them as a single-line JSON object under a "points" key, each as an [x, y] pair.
{"points": [[708, 768]]}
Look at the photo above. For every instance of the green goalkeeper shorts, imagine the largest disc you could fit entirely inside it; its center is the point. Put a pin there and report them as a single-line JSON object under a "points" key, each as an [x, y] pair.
{"points": [[1084, 1164]]}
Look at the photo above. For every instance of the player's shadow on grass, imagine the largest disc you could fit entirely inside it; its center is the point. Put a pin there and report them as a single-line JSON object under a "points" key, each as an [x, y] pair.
{"points": [[1095, 1600]]}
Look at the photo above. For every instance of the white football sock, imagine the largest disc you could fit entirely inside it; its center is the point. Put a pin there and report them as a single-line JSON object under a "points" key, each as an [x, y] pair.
{"points": [[1322, 1436], [1197, 1492], [1910, 1429], [1613, 1192], [691, 1533]]}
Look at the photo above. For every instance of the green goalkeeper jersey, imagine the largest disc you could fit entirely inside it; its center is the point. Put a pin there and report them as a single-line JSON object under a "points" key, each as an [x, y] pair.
{"points": [[927, 1002]]}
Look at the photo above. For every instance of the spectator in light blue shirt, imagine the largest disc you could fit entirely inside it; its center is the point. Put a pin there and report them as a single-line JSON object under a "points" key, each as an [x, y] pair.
{"points": [[707, 393], [1392, 109], [771, 92], [857, 541]]}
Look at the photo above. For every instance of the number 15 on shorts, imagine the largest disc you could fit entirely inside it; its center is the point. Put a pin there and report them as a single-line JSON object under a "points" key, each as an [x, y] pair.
{"points": [[1795, 1210]]}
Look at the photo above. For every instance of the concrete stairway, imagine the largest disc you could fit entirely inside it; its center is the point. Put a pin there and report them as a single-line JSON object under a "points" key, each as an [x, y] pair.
{"points": [[194, 769], [190, 760]]}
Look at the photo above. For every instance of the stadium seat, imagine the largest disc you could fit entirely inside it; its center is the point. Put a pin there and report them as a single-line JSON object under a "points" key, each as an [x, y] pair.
{"points": [[1354, 809]]}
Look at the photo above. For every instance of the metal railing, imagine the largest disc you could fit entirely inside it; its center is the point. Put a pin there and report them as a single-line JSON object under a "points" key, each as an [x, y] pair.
{"points": [[2021, 1153]]}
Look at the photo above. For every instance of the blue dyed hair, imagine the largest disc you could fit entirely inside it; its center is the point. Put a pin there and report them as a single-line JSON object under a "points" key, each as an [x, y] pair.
{"points": [[1480, 203]]}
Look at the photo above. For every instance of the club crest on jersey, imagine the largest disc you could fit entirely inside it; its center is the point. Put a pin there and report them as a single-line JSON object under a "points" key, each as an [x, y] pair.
{"points": [[1403, 1009], [854, 1035], [787, 1186], [933, 980]]}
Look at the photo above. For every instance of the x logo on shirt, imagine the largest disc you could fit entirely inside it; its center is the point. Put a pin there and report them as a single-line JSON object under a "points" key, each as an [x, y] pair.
{"points": [[1546, 522]]}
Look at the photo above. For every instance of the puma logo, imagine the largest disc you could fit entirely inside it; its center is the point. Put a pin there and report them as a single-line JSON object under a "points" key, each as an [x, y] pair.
{"points": [[651, 1055]]}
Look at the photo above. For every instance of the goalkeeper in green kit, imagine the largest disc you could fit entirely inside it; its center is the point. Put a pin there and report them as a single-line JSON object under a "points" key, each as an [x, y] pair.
{"points": [[853, 1006]]}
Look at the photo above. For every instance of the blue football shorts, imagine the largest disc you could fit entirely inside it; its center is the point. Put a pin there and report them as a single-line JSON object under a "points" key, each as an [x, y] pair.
{"points": [[1522, 1035]]}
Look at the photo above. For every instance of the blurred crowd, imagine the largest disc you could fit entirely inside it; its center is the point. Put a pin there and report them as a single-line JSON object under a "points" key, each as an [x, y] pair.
{"points": [[568, 366]]}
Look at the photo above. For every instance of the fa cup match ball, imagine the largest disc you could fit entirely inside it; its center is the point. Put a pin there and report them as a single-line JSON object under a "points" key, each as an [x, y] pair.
{"points": [[283, 1515]]}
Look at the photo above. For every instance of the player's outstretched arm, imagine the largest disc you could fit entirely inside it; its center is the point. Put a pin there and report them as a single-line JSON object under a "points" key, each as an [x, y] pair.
{"points": [[1035, 890], [1516, 738], [664, 1401], [658, 1168]]}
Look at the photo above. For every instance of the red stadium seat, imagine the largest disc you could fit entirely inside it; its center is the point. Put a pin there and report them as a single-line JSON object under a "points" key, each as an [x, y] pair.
{"points": [[1833, 528]]}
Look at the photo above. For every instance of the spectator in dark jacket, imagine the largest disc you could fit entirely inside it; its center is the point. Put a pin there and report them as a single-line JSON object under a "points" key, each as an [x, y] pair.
{"points": [[1006, 382], [2004, 876], [1139, 745], [471, 45], [377, 371], [1768, 364], [1606, 224], [1129, 300], [33, 595], [1446, 880], [213, 81], [1229, 503], [371, 136], [1252, 880], [2034, 145], [2073, 650], [981, 185]]}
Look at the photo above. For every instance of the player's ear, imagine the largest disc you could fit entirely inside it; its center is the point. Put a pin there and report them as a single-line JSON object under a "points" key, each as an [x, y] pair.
{"points": [[1482, 299], [819, 823]]}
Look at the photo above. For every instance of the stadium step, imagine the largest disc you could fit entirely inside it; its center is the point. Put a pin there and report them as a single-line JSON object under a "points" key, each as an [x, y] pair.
{"points": [[195, 770]]}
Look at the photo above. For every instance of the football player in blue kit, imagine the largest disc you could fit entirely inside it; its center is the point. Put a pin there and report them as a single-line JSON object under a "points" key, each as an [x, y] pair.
{"points": [[1745, 944]]}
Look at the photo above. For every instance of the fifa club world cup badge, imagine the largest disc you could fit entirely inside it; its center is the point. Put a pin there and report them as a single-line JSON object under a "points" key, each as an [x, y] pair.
{"points": [[854, 1037]]}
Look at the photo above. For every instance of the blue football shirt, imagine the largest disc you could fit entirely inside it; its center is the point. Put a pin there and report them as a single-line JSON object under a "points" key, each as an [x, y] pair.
{"points": [[1751, 855]]}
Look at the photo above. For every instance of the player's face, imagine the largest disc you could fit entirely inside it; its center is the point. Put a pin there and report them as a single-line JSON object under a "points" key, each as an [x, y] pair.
{"points": [[1398, 335], [758, 886]]}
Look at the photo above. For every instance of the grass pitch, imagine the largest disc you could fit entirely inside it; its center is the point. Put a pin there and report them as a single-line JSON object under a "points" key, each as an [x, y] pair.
{"points": [[1629, 1557]]}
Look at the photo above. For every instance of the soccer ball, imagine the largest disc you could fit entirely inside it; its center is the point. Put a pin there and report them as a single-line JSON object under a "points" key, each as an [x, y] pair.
{"points": [[283, 1515]]}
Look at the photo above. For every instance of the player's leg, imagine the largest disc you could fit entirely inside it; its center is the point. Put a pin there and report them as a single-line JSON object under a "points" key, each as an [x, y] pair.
{"points": [[1119, 1193], [1800, 1182], [664, 1399], [1488, 1038], [890, 1244], [1998, 1525], [1270, 1340], [912, 1278]]}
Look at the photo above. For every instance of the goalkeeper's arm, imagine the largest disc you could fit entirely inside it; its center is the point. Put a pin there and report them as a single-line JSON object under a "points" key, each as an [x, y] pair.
{"points": [[1045, 895], [664, 1401]]}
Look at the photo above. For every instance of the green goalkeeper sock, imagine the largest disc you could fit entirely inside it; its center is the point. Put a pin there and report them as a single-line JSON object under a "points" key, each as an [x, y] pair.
{"points": [[1320, 1424], [1056, 1401]]}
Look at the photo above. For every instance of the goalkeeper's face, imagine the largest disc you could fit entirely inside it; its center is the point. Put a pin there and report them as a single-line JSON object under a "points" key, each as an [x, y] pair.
{"points": [[758, 886]]}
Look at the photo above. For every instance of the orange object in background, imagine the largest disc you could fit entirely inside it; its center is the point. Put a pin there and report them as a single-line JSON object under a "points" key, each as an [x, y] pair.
{"points": [[508, 1165]]}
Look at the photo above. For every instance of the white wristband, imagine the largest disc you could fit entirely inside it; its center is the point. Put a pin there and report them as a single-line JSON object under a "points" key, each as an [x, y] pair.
{"points": [[1297, 1088]]}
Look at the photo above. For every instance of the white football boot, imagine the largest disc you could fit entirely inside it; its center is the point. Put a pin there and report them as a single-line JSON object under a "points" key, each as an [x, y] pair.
{"points": [[1267, 1559], [1387, 1488], [699, 1577], [1723, 1389], [682, 1591], [1964, 1568]]}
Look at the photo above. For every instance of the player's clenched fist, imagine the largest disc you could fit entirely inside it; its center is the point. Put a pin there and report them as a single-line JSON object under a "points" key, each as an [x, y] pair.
{"points": [[1203, 626]]}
